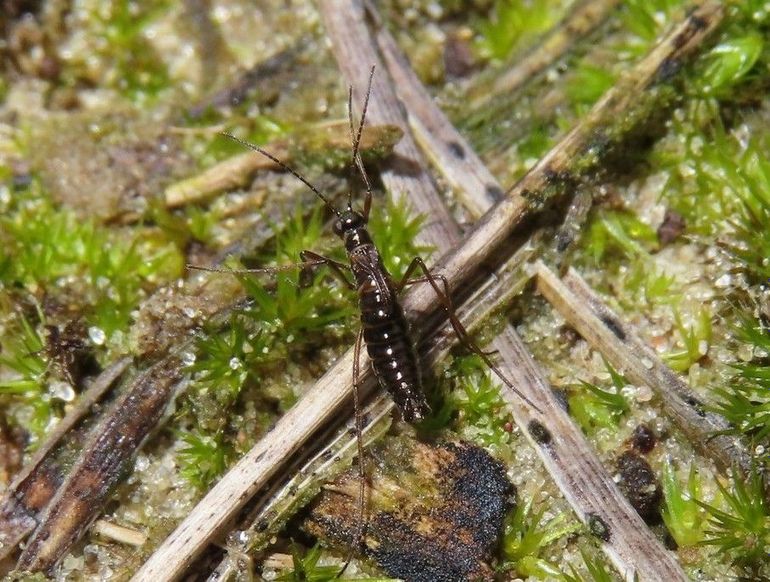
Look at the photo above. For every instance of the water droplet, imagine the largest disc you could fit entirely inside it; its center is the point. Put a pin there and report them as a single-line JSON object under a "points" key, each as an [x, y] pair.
{"points": [[63, 391], [759, 450], [235, 363], [188, 358], [644, 394], [189, 312], [142, 463], [97, 335], [648, 363]]}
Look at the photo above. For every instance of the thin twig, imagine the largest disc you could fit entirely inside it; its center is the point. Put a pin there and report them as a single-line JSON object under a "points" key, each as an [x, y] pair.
{"points": [[580, 150], [580, 21], [223, 176], [600, 327]]}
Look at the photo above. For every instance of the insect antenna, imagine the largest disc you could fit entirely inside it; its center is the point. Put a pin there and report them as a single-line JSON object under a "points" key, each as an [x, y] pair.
{"points": [[286, 167], [355, 137]]}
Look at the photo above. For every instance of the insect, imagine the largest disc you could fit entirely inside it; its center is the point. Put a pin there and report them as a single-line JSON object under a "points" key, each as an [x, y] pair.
{"points": [[384, 329]]}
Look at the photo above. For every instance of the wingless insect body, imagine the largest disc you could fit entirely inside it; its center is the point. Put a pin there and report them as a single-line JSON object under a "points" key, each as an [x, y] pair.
{"points": [[383, 325]]}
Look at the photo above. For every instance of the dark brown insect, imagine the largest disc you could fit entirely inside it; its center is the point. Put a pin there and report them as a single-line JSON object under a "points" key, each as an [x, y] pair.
{"points": [[384, 328]]}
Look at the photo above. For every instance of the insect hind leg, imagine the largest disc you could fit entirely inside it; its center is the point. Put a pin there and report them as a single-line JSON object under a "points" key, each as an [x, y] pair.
{"points": [[360, 531], [445, 299]]}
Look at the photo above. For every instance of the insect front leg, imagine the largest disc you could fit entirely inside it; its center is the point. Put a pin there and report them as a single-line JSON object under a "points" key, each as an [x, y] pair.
{"points": [[311, 259], [445, 299]]}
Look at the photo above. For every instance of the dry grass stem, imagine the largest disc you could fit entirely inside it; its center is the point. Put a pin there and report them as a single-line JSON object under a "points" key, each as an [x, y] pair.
{"points": [[628, 354], [581, 20], [34, 481]]}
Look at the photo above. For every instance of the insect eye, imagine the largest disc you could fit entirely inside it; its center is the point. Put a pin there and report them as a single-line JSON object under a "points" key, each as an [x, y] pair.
{"points": [[338, 227]]}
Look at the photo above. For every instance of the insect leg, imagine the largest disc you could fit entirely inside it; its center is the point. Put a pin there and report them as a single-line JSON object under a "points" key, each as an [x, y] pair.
{"points": [[445, 299], [311, 259], [263, 270], [358, 539]]}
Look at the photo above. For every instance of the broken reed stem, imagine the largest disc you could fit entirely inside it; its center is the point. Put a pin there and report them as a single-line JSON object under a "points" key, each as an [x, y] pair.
{"points": [[577, 152], [567, 455], [225, 175], [33, 482], [600, 327], [87, 399], [235, 171], [580, 21]]}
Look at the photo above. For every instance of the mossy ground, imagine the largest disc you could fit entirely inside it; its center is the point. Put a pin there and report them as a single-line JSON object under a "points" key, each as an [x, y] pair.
{"points": [[82, 94]]}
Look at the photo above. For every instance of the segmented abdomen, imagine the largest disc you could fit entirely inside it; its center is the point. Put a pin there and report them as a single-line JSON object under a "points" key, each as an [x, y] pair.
{"points": [[391, 351]]}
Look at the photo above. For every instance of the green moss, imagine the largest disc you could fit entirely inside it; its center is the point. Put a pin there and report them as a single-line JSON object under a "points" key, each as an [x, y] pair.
{"points": [[472, 404], [682, 512], [645, 19], [728, 64], [618, 231], [740, 528], [592, 407], [526, 537], [587, 83], [695, 339], [307, 568], [44, 245], [89, 271], [513, 23], [24, 355], [203, 458], [124, 60], [650, 283], [24, 394], [724, 188], [598, 571], [745, 400]]}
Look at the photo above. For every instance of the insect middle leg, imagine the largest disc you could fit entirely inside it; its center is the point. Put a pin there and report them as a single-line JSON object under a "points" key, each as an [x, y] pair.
{"points": [[445, 299], [340, 269]]}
